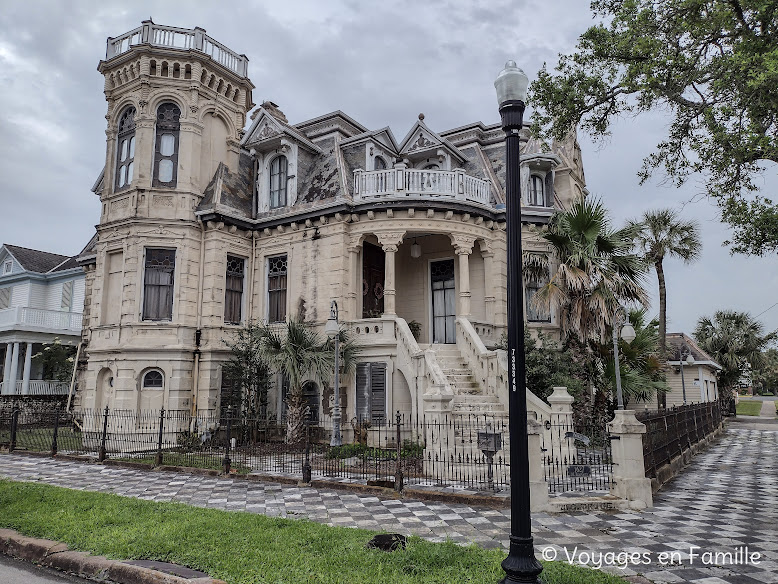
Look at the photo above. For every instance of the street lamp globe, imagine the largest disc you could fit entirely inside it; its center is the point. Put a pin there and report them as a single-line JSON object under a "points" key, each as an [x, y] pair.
{"points": [[628, 333], [689, 359], [511, 84], [332, 327]]}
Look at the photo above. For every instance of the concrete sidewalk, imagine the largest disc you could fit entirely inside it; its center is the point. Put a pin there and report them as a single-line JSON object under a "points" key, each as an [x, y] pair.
{"points": [[727, 498]]}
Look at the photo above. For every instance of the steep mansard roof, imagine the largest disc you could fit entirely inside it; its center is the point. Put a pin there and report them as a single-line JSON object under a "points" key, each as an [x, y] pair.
{"points": [[40, 262]]}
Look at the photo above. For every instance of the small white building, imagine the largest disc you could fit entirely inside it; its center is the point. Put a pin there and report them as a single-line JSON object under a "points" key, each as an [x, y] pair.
{"points": [[41, 299], [700, 372]]}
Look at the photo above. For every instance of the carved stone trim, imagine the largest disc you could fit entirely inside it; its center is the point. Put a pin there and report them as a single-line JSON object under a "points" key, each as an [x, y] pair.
{"points": [[390, 240]]}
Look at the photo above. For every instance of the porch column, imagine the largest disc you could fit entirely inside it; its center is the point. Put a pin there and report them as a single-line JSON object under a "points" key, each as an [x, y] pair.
{"points": [[7, 369], [389, 243], [489, 280], [14, 372], [27, 365], [355, 287], [464, 247]]}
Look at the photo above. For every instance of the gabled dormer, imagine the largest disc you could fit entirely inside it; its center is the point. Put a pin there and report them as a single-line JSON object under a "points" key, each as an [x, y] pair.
{"points": [[425, 149], [279, 150], [379, 147]]}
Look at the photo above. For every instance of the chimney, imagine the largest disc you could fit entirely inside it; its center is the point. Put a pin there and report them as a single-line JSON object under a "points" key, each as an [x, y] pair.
{"points": [[274, 111]]}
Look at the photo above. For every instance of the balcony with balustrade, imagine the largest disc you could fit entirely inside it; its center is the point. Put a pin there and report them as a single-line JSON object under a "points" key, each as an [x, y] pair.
{"points": [[26, 319], [401, 183], [177, 38]]}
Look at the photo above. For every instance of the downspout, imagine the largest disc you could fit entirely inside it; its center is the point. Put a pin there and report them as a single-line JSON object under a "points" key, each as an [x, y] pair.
{"points": [[198, 331], [73, 377]]}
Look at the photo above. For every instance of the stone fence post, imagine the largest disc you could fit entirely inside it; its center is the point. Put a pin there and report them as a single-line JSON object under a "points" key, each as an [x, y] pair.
{"points": [[559, 439], [538, 489], [629, 475], [439, 432]]}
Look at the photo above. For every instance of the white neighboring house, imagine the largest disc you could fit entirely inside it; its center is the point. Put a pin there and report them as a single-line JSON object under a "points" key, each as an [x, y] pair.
{"points": [[41, 299]]}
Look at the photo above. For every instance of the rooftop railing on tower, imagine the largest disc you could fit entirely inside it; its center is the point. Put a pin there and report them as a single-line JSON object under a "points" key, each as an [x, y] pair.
{"points": [[177, 38]]}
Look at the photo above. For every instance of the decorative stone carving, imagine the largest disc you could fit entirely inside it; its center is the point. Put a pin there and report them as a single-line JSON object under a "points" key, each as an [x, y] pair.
{"points": [[390, 240], [463, 244], [420, 142]]}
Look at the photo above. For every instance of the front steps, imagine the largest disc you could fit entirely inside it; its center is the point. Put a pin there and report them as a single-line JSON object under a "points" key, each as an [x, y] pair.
{"points": [[468, 394]]}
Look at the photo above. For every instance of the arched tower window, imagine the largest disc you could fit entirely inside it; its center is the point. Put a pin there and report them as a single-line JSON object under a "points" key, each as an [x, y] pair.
{"points": [[278, 176], [153, 379], [166, 147], [125, 148], [536, 191]]}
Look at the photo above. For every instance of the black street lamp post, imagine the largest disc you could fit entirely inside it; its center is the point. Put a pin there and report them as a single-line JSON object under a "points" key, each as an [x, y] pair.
{"points": [[684, 357], [521, 564], [333, 331]]}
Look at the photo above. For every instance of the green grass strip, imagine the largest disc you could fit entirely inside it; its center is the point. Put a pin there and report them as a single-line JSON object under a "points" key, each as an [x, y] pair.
{"points": [[749, 407], [246, 548]]}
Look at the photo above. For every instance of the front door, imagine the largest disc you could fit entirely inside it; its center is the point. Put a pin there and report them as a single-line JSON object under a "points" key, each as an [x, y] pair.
{"points": [[373, 266], [443, 302]]}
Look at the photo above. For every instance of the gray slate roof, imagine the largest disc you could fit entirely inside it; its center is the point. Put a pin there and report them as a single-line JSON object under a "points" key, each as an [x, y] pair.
{"points": [[40, 262]]}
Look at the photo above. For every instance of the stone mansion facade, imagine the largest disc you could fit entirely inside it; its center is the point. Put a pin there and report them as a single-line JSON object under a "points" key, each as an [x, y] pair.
{"points": [[205, 227]]}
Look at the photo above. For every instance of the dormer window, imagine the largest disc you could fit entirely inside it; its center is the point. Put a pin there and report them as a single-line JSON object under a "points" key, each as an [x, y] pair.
{"points": [[7, 267], [379, 163], [125, 148], [278, 180], [537, 194], [166, 145]]}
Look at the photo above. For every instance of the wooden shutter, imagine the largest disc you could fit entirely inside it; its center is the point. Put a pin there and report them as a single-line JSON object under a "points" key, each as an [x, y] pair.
{"points": [[378, 393], [549, 190], [5, 297], [363, 391], [67, 295]]}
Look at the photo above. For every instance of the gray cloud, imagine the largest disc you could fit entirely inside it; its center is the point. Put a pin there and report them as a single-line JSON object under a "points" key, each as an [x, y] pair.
{"points": [[381, 63]]}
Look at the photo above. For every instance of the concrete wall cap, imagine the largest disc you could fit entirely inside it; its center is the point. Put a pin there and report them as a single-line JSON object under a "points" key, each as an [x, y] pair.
{"points": [[560, 395], [625, 422]]}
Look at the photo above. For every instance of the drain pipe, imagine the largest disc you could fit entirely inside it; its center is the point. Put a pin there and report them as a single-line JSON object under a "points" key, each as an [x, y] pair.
{"points": [[198, 331]]}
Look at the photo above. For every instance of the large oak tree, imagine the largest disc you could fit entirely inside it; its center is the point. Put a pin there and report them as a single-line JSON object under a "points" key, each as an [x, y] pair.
{"points": [[712, 65]]}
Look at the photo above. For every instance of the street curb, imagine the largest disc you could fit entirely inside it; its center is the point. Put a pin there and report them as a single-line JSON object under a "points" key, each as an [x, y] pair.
{"points": [[53, 554]]}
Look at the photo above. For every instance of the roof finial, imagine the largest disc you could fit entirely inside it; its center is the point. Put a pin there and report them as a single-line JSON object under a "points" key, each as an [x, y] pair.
{"points": [[421, 117]]}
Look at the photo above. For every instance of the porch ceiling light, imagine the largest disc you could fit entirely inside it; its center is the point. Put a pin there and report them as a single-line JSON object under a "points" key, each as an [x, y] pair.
{"points": [[415, 250]]}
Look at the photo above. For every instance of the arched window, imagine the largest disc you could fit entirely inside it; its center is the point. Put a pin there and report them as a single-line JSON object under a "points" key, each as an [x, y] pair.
{"points": [[166, 147], [379, 163], [153, 380], [432, 167], [125, 148], [278, 176], [536, 191]]}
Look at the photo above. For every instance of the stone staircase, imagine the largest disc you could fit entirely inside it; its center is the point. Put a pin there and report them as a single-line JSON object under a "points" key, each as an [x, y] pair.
{"points": [[468, 394]]}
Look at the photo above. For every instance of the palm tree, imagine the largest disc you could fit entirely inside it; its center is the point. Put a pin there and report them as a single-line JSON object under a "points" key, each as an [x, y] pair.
{"points": [[663, 234], [736, 341], [596, 270], [299, 353]]}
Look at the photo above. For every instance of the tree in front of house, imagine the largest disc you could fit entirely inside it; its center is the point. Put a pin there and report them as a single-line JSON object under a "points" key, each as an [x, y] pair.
{"points": [[299, 353], [596, 270], [247, 375], [56, 361], [711, 67], [736, 341], [662, 233], [765, 376]]}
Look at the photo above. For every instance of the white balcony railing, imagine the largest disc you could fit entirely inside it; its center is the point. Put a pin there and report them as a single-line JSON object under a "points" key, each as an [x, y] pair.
{"points": [[402, 183], [178, 38], [25, 318], [35, 387]]}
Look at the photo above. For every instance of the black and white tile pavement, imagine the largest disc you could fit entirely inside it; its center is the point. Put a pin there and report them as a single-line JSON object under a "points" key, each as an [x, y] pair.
{"points": [[727, 499]]}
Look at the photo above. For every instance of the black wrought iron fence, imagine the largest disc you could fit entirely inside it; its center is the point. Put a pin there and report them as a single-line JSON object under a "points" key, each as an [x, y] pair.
{"points": [[576, 457], [671, 431]]}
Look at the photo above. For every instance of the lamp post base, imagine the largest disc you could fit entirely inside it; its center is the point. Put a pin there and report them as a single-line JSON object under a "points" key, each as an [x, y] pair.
{"points": [[337, 439], [521, 566]]}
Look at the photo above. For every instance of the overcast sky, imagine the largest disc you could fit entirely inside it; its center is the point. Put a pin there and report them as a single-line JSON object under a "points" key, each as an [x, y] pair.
{"points": [[381, 63]]}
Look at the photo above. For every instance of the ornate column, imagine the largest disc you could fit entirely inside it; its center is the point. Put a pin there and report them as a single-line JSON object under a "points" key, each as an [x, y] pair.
{"points": [[355, 283], [27, 366], [487, 252], [463, 245], [7, 369], [390, 241], [14, 368]]}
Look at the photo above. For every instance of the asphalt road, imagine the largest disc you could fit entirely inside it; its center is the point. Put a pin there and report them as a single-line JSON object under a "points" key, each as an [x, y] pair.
{"points": [[13, 571]]}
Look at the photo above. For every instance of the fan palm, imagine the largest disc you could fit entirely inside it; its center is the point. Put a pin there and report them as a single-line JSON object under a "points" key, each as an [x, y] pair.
{"points": [[596, 270], [663, 234], [299, 353]]}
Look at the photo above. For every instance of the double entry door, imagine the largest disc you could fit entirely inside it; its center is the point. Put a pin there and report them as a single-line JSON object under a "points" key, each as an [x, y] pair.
{"points": [[443, 301]]}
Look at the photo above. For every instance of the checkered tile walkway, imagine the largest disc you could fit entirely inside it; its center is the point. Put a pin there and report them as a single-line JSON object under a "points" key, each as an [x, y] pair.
{"points": [[726, 499]]}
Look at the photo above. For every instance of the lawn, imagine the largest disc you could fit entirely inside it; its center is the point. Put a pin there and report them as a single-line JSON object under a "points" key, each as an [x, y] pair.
{"points": [[748, 407], [245, 548]]}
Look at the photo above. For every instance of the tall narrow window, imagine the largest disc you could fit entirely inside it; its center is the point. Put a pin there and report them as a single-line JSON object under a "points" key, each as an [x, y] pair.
{"points": [[158, 284], [278, 176], [5, 297], [371, 393], [67, 296], [537, 309], [536, 191], [276, 289], [233, 294], [166, 147], [125, 149]]}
